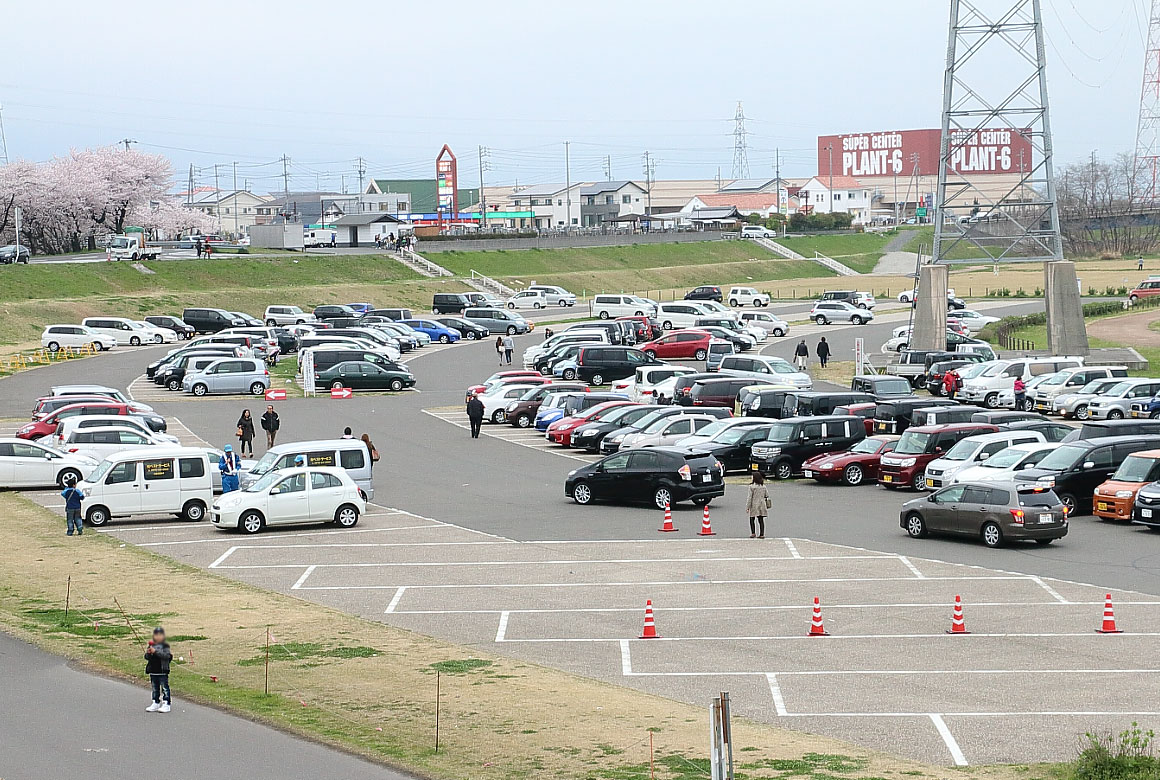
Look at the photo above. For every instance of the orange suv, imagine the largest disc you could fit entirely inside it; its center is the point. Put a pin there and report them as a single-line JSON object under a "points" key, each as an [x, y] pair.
{"points": [[1114, 499]]}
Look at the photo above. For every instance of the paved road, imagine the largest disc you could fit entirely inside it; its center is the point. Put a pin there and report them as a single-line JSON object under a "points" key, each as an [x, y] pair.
{"points": [[59, 722]]}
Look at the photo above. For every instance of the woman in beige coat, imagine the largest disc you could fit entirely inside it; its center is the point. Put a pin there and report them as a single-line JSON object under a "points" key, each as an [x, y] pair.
{"points": [[757, 503]]}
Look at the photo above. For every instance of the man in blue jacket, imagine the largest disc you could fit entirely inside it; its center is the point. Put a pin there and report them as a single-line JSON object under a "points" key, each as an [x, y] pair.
{"points": [[229, 464]]}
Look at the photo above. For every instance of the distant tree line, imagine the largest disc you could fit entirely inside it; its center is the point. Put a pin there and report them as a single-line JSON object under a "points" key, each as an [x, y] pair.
{"points": [[1105, 208]]}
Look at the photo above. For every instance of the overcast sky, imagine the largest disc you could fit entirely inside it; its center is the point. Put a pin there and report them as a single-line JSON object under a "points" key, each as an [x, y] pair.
{"points": [[324, 83]]}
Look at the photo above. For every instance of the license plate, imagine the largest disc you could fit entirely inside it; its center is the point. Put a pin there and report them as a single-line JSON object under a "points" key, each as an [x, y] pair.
{"points": [[706, 477], [887, 478], [879, 426], [1145, 513], [1102, 506], [1047, 517], [930, 483], [753, 467], [807, 474]]}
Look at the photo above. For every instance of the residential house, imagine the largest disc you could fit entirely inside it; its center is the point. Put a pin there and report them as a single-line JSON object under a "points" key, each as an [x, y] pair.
{"points": [[363, 228], [235, 210], [837, 194], [304, 207], [606, 201], [556, 206], [761, 203]]}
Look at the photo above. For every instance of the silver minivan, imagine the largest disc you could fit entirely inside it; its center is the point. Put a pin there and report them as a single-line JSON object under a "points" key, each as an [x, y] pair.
{"points": [[348, 454], [229, 375], [497, 320]]}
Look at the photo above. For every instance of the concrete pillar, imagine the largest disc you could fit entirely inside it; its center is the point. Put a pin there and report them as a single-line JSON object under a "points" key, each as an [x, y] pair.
{"points": [[1066, 332], [930, 316]]}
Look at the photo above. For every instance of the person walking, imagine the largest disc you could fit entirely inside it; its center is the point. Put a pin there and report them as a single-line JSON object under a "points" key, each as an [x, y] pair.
{"points": [[270, 424], [229, 464], [499, 348], [1140, 264], [800, 355], [347, 433], [372, 453], [757, 504], [475, 415], [246, 433], [73, 496], [198, 246], [1020, 389], [509, 346], [158, 656], [823, 351], [950, 383]]}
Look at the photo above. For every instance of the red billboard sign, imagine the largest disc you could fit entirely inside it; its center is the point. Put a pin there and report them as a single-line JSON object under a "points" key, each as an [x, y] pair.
{"points": [[447, 184], [1000, 150]]}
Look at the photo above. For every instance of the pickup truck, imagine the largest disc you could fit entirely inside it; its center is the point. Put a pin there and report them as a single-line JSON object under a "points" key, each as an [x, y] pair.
{"points": [[130, 246], [912, 365]]}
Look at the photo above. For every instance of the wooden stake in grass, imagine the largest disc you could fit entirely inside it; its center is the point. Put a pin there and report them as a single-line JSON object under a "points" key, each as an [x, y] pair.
{"points": [[129, 622], [436, 710], [652, 768], [67, 595], [267, 684]]}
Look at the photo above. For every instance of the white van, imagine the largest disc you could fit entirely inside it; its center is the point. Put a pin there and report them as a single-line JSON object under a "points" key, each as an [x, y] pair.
{"points": [[1000, 375], [124, 330], [319, 237], [348, 454], [159, 480], [680, 314], [580, 336], [609, 306]]}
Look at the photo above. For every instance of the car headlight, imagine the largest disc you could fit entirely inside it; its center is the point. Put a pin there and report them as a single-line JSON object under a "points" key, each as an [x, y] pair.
{"points": [[1123, 494], [617, 439], [1046, 481], [589, 432], [572, 472], [826, 466], [511, 407], [907, 462]]}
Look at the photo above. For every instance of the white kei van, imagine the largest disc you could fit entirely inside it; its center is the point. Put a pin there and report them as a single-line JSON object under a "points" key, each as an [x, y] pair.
{"points": [[348, 454], [612, 306], [149, 481]]}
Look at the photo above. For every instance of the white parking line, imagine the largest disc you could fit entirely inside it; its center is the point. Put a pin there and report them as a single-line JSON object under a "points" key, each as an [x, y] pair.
{"points": [[519, 437], [948, 738], [1050, 590], [766, 607], [917, 574], [501, 630], [775, 692], [397, 598], [793, 550], [305, 574], [803, 636]]}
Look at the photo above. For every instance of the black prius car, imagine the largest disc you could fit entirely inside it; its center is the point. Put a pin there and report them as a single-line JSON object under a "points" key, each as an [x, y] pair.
{"points": [[658, 477]]}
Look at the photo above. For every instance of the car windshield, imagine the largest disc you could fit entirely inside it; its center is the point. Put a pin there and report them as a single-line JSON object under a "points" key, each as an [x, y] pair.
{"points": [[714, 428], [264, 465], [730, 435], [644, 422], [1094, 386], [1052, 379], [1137, 468], [1063, 458], [1118, 389], [781, 432], [617, 413], [782, 368], [912, 443], [900, 386], [995, 370], [264, 483], [867, 445], [1004, 458], [970, 372], [100, 471], [532, 394], [962, 450]]}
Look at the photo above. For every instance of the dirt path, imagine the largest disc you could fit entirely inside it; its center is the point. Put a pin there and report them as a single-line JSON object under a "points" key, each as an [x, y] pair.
{"points": [[1130, 330]]}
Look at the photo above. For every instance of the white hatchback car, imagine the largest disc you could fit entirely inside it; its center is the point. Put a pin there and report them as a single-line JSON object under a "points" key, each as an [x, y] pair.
{"points": [[747, 296], [56, 337], [32, 464], [100, 443], [289, 497], [528, 299], [825, 312]]}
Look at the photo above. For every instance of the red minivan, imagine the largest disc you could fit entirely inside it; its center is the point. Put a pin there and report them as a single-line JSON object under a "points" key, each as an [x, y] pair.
{"points": [[47, 425], [679, 344]]}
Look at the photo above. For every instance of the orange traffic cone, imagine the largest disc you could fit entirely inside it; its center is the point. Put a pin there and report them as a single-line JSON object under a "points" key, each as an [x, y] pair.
{"points": [[706, 526], [958, 625], [816, 628], [1109, 624], [668, 526], [650, 628]]}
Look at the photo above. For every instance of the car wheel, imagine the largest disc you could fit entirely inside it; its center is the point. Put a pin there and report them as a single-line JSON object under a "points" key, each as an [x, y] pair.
{"points": [[336, 385], [663, 497], [193, 511], [778, 332], [1044, 542], [853, 475], [396, 385], [1082, 413], [915, 526], [820, 319], [862, 306], [992, 535], [700, 354], [582, 493], [569, 374], [667, 325], [511, 305], [257, 388], [733, 302], [638, 314], [783, 470], [1028, 405], [53, 346], [103, 347], [499, 417], [702, 501], [511, 331], [597, 379], [346, 516], [536, 305], [300, 322], [991, 401], [523, 421], [1069, 503], [919, 482], [97, 516], [651, 354], [1115, 414], [855, 320], [200, 390], [470, 336], [251, 523], [444, 339], [158, 339], [270, 323], [173, 384], [135, 341], [66, 476]]}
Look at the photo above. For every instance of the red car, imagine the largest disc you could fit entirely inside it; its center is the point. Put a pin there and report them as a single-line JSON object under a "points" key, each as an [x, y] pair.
{"points": [[501, 377], [679, 344], [865, 411], [560, 431], [905, 466], [854, 466], [47, 425], [646, 327]]}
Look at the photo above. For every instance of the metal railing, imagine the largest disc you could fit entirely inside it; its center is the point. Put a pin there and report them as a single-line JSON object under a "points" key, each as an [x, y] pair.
{"points": [[423, 264]]}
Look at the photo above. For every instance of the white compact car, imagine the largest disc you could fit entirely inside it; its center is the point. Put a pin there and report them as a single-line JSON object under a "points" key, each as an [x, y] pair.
{"points": [[32, 464], [56, 337], [1002, 466], [747, 296], [528, 299], [772, 325], [287, 315], [557, 296], [101, 442], [291, 496], [154, 333], [825, 312], [496, 400], [128, 422]]}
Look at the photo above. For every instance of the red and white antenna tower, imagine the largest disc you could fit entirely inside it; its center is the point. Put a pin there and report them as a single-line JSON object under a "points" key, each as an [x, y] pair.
{"points": [[1147, 182]]}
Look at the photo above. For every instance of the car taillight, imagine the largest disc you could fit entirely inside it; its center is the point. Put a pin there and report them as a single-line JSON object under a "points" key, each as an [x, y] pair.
{"points": [[267, 371], [1066, 510], [697, 402], [646, 392], [1017, 516], [73, 449], [686, 473]]}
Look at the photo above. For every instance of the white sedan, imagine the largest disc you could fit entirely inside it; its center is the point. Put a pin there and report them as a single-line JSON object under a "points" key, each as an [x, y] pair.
{"points": [[149, 332], [1001, 466], [30, 464], [972, 320], [55, 337], [289, 497], [100, 443], [496, 400]]}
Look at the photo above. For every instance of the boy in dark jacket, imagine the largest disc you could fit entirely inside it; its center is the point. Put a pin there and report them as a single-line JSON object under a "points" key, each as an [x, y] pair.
{"points": [[72, 506], [157, 659]]}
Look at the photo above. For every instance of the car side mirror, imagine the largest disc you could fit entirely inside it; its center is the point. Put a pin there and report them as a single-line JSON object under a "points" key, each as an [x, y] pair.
{"points": [[930, 498], [600, 468], [1088, 464], [48, 455], [938, 450], [984, 456]]}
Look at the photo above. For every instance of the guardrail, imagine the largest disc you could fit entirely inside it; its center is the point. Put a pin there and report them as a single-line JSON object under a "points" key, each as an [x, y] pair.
{"points": [[423, 263], [490, 284]]}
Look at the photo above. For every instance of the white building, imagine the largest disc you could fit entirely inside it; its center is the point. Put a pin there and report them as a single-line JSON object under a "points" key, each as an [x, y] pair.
{"points": [[606, 201], [235, 211], [848, 196], [556, 206]]}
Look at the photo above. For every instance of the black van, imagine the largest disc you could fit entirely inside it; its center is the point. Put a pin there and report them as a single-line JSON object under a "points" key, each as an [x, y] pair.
{"points": [[599, 364], [1075, 469], [1094, 428], [325, 357], [211, 320], [763, 402], [881, 386], [449, 303], [683, 386], [794, 440], [391, 314], [1003, 417], [895, 415], [943, 415], [820, 402]]}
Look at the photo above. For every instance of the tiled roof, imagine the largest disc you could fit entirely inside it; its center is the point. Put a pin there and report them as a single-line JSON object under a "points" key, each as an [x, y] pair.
{"points": [[741, 200]]}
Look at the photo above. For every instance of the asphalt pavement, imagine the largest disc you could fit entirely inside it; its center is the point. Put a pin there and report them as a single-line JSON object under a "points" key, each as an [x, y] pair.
{"points": [[58, 721]]}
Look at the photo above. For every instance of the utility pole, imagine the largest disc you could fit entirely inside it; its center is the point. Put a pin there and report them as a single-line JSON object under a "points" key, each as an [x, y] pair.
{"points": [[234, 197], [216, 189], [567, 185], [286, 178], [3, 139], [830, 149], [483, 152], [127, 141], [777, 174], [362, 169], [649, 170], [608, 167], [189, 188]]}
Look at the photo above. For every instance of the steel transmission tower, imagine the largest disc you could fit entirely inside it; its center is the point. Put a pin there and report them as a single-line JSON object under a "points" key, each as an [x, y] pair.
{"points": [[1147, 173], [740, 145], [995, 99]]}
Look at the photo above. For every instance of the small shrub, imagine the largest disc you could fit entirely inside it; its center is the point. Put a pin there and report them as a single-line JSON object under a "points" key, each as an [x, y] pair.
{"points": [[1127, 756]]}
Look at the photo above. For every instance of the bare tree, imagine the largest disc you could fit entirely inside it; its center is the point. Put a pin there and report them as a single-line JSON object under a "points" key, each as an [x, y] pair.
{"points": [[1100, 210]]}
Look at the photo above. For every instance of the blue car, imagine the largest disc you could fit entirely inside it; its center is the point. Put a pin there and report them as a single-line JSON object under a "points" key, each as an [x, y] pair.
{"points": [[545, 417], [436, 330], [565, 369], [361, 308]]}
